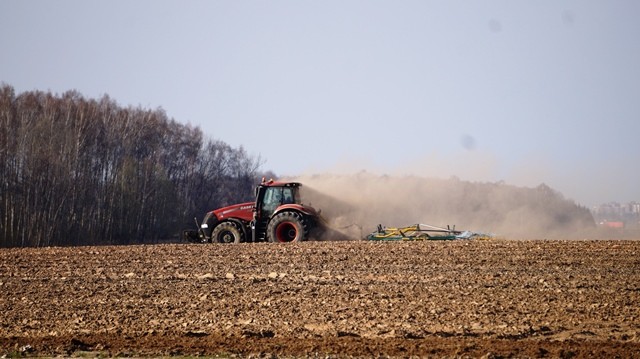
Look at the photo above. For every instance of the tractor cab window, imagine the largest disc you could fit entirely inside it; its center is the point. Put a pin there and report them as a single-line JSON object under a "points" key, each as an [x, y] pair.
{"points": [[288, 195], [276, 196], [271, 200]]}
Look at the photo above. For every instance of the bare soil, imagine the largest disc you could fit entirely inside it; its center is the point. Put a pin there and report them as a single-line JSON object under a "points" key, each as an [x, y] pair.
{"points": [[499, 298]]}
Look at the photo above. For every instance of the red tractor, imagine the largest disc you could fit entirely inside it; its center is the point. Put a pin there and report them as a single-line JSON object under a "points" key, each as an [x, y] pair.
{"points": [[277, 215]]}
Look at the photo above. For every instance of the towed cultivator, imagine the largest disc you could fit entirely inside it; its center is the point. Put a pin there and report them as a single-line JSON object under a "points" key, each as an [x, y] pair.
{"points": [[423, 232]]}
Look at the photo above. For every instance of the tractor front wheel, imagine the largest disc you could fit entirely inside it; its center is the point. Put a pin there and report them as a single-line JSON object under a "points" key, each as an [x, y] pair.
{"points": [[287, 227], [226, 232]]}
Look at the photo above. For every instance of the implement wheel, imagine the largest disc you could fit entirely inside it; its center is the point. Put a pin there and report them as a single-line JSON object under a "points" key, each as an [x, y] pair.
{"points": [[287, 227], [226, 232]]}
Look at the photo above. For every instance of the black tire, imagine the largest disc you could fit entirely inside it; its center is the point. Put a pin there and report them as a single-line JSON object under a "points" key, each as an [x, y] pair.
{"points": [[287, 227], [227, 232]]}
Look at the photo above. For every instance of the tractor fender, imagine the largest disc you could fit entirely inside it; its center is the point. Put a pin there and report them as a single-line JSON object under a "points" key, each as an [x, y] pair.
{"points": [[305, 210]]}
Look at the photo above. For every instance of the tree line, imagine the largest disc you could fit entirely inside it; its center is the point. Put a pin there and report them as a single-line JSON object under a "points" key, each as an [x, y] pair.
{"points": [[77, 171]]}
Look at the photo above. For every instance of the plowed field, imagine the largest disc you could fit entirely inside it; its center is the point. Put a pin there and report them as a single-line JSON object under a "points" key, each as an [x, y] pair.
{"points": [[496, 298]]}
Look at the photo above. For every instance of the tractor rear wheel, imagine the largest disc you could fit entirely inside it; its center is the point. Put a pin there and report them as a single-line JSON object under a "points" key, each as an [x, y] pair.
{"points": [[287, 227], [226, 232]]}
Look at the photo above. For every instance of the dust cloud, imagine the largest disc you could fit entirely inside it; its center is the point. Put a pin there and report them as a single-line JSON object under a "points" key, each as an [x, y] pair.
{"points": [[355, 204]]}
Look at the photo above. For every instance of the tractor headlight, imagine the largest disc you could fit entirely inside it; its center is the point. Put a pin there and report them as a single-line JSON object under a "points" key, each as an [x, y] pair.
{"points": [[204, 225]]}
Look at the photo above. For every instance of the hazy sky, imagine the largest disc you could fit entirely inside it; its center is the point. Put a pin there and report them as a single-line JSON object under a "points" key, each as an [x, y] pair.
{"points": [[521, 91]]}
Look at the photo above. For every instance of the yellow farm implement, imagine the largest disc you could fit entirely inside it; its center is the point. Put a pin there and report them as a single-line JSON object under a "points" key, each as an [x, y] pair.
{"points": [[422, 232]]}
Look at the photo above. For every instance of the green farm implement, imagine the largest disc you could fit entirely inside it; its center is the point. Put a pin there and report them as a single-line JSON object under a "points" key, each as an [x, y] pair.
{"points": [[422, 232]]}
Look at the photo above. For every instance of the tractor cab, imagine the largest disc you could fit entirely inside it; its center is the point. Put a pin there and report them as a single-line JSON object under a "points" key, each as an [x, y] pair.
{"points": [[272, 195]]}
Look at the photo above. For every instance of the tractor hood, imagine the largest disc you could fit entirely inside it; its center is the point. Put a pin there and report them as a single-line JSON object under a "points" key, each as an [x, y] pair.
{"points": [[242, 211]]}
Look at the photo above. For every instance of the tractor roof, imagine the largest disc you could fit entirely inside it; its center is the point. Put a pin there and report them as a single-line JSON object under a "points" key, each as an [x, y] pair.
{"points": [[272, 183]]}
